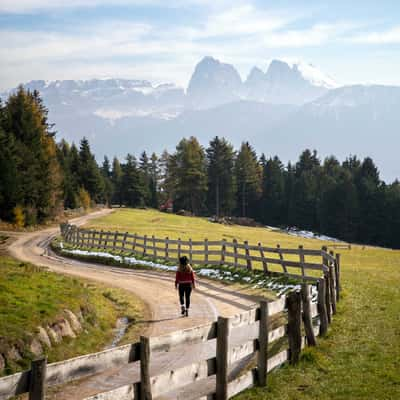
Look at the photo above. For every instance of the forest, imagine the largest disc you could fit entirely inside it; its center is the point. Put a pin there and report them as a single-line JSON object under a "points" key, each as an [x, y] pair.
{"points": [[40, 177]]}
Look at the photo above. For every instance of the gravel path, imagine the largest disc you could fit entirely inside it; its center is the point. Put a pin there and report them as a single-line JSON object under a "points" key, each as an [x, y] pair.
{"points": [[210, 299]]}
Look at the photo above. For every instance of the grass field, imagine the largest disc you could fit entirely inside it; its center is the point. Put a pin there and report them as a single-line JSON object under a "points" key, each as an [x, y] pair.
{"points": [[31, 296], [360, 357]]}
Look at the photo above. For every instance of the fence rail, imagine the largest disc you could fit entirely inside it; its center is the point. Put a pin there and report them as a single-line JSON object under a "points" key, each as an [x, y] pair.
{"points": [[293, 262], [221, 349], [216, 355]]}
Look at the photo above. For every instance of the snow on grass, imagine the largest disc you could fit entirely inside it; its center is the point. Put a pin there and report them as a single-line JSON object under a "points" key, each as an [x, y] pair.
{"points": [[280, 285]]}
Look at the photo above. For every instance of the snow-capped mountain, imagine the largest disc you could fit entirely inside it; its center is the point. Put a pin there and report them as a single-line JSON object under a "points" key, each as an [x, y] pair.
{"points": [[111, 99], [281, 111], [287, 83], [213, 83]]}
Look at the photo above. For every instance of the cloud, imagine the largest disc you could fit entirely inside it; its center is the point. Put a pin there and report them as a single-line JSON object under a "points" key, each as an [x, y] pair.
{"points": [[390, 36], [35, 6], [242, 35]]}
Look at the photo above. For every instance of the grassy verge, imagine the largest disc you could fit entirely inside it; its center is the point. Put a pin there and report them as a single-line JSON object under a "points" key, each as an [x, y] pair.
{"points": [[31, 296], [360, 357]]}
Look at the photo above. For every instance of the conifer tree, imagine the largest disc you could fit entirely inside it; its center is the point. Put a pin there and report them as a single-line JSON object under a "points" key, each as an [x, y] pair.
{"points": [[154, 180], [273, 192], [144, 167], [116, 180], [220, 174], [108, 186], [133, 186], [38, 171], [90, 177], [248, 178], [188, 171]]}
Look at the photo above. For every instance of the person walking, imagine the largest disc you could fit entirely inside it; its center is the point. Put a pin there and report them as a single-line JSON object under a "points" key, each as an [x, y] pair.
{"points": [[184, 282]]}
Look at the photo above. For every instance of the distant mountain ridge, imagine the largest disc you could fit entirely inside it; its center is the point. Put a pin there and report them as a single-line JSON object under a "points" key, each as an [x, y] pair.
{"points": [[290, 106]]}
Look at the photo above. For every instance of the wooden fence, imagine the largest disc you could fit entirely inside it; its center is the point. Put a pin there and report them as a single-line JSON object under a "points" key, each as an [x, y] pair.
{"points": [[215, 360], [293, 262], [228, 355]]}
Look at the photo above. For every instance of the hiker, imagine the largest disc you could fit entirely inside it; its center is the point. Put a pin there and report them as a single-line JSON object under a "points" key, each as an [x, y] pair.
{"points": [[184, 282]]}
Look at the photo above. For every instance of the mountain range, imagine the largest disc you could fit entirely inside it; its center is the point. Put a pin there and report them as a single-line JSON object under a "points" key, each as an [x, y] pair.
{"points": [[283, 110]]}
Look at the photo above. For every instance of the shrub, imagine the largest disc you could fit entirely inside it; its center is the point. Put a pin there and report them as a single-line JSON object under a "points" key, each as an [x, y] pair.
{"points": [[19, 216], [84, 198]]}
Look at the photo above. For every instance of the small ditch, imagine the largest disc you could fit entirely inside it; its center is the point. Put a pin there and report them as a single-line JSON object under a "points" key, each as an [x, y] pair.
{"points": [[120, 329]]}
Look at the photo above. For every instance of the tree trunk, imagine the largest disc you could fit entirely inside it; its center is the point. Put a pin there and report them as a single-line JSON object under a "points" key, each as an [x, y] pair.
{"points": [[217, 199]]}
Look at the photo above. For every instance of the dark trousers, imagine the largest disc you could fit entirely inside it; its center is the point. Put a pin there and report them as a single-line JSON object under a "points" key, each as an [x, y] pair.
{"points": [[185, 289]]}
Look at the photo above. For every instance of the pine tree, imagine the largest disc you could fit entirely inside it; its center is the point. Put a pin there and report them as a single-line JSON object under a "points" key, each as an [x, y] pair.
{"points": [[273, 192], [144, 167], [248, 179], [220, 174], [305, 194], [38, 172], [188, 172], [116, 180], [154, 181], [89, 172], [8, 174], [133, 186], [108, 186]]}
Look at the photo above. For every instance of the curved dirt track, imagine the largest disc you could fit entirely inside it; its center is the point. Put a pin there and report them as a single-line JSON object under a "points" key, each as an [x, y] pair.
{"points": [[210, 299]]}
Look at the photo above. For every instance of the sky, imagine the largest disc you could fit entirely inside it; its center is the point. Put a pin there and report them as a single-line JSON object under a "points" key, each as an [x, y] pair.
{"points": [[162, 40]]}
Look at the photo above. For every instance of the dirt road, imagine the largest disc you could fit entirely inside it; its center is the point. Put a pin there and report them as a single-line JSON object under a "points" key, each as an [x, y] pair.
{"points": [[210, 299]]}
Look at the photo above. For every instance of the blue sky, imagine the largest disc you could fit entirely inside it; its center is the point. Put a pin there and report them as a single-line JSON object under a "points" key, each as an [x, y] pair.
{"points": [[353, 42]]}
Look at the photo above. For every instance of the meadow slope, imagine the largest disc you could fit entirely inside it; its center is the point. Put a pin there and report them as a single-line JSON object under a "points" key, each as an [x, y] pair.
{"points": [[360, 356]]}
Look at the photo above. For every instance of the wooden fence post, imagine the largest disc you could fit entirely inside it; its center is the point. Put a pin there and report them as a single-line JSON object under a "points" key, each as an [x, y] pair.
{"points": [[179, 248], [301, 257], [294, 326], [337, 272], [264, 263], [145, 382], [93, 238], [223, 251], [190, 251], [78, 238], [154, 247], [247, 252], [107, 238], [222, 355], [327, 296], [134, 242], [324, 250], [307, 319], [332, 290], [323, 317], [115, 240], [262, 361], [235, 253], [124, 241], [166, 248], [278, 246], [37, 388], [144, 244]]}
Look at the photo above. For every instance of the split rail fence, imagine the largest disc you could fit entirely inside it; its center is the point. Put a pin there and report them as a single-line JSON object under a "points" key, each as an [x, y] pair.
{"points": [[212, 361], [297, 263]]}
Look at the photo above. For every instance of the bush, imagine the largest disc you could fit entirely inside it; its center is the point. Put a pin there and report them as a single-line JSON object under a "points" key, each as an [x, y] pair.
{"points": [[84, 198], [19, 216]]}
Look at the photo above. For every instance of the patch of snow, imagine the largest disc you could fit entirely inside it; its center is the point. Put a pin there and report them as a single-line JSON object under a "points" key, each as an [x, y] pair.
{"points": [[258, 280]]}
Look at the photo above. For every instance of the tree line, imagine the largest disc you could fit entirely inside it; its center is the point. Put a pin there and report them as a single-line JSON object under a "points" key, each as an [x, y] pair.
{"points": [[39, 177]]}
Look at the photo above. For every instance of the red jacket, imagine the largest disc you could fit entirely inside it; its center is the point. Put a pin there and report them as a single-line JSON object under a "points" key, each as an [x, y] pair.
{"points": [[184, 277]]}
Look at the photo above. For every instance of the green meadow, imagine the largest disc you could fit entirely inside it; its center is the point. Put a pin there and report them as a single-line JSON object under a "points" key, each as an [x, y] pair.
{"points": [[360, 356], [31, 296]]}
